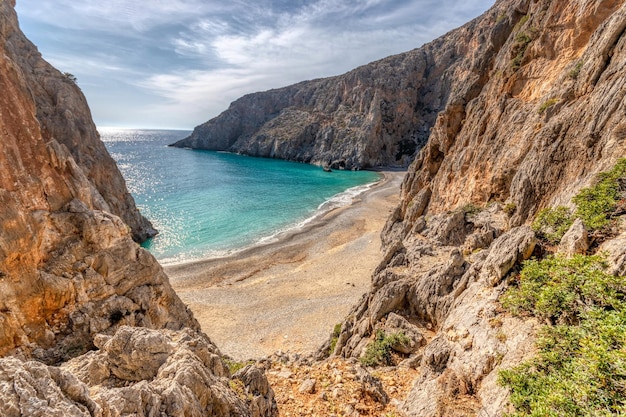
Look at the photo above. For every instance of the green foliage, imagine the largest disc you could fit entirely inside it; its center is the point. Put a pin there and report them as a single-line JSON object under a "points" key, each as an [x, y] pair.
{"points": [[334, 338], [580, 367], [547, 104], [378, 352], [510, 208], [560, 289], [573, 74], [471, 209], [519, 49], [596, 204], [521, 23], [552, 223], [234, 366], [70, 77]]}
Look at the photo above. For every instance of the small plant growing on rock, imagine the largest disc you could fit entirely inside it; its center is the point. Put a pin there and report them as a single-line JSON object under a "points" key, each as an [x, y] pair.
{"points": [[70, 77], [574, 72], [547, 104], [552, 223], [510, 208], [334, 338], [378, 352]]}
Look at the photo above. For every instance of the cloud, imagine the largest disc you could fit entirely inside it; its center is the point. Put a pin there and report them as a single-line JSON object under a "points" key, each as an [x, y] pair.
{"points": [[190, 58]]}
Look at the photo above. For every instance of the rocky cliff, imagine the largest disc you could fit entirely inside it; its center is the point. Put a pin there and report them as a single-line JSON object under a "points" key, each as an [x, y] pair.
{"points": [[377, 115], [537, 112], [73, 283]]}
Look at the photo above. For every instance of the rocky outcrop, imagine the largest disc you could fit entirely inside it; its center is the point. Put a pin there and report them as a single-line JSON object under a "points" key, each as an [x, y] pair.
{"points": [[544, 116], [136, 372], [378, 114], [68, 266], [89, 324], [64, 117]]}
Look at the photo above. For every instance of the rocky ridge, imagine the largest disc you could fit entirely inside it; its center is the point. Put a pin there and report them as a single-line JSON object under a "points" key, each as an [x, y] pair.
{"points": [[379, 114], [544, 119], [89, 324]]}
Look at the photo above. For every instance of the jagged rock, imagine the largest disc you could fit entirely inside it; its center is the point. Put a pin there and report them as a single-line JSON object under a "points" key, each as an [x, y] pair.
{"points": [[396, 323], [34, 389], [513, 247], [178, 373], [575, 240], [371, 386], [70, 268], [65, 123], [615, 250], [307, 386]]}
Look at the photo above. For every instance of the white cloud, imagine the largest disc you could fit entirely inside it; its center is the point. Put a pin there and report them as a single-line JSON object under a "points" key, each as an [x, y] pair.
{"points": [[213, 51]]}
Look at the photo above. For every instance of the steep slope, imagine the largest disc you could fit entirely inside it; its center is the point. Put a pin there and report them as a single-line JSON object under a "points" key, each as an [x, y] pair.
{"points": [[545, 118], [378, 114], [73, 283], [64, 116]]}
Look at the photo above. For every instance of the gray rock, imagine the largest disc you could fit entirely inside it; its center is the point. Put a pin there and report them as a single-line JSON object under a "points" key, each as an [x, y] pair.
{"points": [[308, 386], [575, 240]]}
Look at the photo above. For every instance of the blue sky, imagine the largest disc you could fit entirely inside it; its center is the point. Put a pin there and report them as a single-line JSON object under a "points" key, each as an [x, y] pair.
{"points": [[178, 63]]}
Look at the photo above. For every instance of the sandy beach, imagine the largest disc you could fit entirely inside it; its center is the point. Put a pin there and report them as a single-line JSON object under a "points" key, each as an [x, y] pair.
{"points": [[289, 294]]}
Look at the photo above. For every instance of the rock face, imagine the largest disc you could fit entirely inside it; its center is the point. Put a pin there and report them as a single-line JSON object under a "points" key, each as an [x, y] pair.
{"points": [[74, 285], [543, 115], [69, 268], [378, 114], [64, 117]]}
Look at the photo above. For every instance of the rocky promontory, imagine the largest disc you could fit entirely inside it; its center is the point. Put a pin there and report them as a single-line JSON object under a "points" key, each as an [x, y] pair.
{"points": [[379, 114]]}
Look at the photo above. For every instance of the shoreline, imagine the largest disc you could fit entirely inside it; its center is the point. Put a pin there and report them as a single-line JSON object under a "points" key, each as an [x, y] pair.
{"points": [[288, 294]]}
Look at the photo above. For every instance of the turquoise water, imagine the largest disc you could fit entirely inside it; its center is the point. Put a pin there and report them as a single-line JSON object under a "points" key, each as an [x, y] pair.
{"points": [[210, 203]]}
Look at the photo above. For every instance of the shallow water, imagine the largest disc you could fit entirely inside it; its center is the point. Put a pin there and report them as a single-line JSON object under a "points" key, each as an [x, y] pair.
{"points": [[210, 203]]}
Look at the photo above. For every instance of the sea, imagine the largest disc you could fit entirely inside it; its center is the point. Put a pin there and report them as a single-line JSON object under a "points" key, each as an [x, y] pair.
{"points": [[209, 204]]}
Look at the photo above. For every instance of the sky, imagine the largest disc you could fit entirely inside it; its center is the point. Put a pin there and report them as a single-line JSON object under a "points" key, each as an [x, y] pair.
{"points": [[178, 63]]}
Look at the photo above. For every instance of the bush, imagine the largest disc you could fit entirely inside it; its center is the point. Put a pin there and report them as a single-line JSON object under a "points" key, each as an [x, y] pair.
{"points": [[547, 104], [334, 337], [379, 351], [580, 367], [596, 204], [551, 224], [561, 290], [574, 72]]}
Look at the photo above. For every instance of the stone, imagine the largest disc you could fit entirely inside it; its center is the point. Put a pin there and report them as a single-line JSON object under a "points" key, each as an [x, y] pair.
{"points": [[575, 240], [307, 386]]}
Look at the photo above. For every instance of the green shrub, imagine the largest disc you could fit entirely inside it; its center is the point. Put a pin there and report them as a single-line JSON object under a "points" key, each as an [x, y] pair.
{"points": [[596, 204], [574, 72], [334, 338], [561, 289], [552, 223], [378, 352], [580, 367], [234, 366], [519, 49], [510, 208], [547, 104]]}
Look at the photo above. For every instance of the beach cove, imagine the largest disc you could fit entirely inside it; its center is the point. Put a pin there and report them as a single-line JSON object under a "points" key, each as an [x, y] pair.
{"points": [[288, 294]]}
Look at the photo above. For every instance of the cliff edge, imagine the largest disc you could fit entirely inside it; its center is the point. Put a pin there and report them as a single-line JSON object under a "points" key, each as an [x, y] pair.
{"points": [[379, 114], [89, 324]]}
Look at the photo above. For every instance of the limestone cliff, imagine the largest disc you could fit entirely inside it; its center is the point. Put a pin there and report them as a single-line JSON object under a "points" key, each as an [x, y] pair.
{"points": [[73, 283], [63, 115], [544, 115], [378, 114]]}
